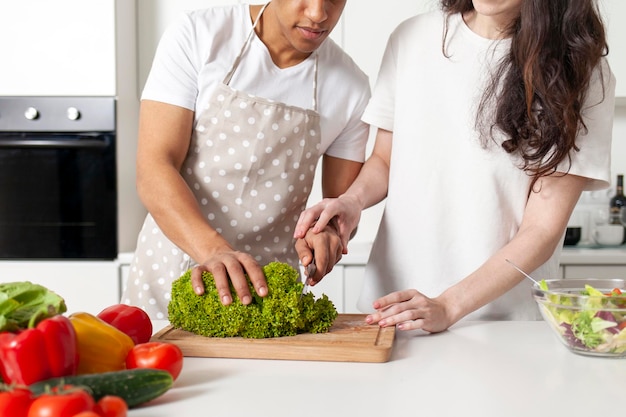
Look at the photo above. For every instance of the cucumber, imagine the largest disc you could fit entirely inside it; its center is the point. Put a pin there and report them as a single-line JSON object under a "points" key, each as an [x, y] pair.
{"points": [[135, 386]]}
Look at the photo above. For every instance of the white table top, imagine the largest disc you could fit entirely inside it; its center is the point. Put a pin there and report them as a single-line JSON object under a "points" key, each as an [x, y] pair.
{"points": [[499, 369]]}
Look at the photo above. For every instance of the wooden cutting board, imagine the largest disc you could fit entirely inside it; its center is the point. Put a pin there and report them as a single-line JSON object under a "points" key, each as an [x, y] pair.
{"points": [[349, 339]]}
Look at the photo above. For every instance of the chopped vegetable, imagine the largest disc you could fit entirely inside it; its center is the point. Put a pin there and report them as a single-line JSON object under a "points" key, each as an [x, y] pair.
{"points": [[283, 312], [101, 347], [598, 325], [49, 350]]}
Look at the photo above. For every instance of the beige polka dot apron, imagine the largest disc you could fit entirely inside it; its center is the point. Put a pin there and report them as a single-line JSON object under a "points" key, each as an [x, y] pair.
{"points": [[250, 164]]}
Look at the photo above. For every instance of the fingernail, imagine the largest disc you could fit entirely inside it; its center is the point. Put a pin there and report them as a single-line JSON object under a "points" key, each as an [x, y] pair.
{"points": [[225, 300], [368, 319], [246, 300], [198, 290]]}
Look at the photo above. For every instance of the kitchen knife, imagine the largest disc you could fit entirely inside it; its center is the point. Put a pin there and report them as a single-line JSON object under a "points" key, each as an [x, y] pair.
{"points": [[310, 271]]}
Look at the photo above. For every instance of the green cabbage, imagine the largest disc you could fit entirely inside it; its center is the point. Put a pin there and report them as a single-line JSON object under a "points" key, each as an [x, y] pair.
{"points": [[24, 304]]}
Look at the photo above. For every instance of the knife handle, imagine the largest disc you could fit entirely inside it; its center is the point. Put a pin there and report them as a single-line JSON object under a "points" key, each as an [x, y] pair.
{"points": [[311, 269]]}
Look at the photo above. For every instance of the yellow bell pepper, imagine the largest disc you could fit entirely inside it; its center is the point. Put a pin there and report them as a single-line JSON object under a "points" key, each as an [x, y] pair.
{"points": [[101, 347]]}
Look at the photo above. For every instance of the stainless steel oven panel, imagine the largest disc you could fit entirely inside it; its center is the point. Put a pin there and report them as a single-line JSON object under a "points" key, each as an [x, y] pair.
{"points": [[58, 181], [57, 114]]}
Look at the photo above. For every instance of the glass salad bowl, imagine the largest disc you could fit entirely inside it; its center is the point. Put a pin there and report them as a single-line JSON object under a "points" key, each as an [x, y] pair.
{"points": [[587, 315]]}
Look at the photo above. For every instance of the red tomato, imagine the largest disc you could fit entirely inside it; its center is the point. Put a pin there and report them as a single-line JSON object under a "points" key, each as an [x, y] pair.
{"points": [[62, 403], [87, 414], [131, 320], [156, 355], [15, 402], [112, 406]]}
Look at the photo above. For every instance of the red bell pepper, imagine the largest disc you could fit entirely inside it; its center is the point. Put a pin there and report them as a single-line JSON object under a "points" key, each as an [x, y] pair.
{"points": [[46, 351], [132, 320]]}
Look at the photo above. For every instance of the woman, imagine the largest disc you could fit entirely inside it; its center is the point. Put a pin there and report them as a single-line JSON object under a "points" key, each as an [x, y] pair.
{"points": [[240, 104], [493, 116]]}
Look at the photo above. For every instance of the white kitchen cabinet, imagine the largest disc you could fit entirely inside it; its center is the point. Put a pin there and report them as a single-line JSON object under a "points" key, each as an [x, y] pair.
{"points": [[594, 263], [595, 271], [124, 270], [62, 47], [342, 286], [88, 286], [353, 281]]}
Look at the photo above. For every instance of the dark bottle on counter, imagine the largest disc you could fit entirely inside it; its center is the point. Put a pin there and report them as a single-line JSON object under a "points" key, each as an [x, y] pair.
{"points": [[616, 203]]}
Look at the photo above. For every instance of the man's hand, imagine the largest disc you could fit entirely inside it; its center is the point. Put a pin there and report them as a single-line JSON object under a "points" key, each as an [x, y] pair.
{"points": [[325, 246], [227, 267]]}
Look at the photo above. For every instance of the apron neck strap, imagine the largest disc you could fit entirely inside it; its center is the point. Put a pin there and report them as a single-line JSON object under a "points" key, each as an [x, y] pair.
{"points": [[230, 74], [314, 104]]}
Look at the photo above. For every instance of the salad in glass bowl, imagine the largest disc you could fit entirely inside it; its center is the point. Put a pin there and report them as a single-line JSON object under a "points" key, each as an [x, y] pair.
{"points": [[588, 315]]}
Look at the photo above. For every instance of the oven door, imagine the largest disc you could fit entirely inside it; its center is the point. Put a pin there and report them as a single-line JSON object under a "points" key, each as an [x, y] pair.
{"points": [[58, 196]]}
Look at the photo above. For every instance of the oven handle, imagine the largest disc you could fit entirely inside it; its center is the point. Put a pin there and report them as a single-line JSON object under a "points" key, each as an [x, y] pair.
{"points": [[56, 143]]}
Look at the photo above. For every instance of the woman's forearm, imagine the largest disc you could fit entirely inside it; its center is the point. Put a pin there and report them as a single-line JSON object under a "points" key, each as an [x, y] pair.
{"points": [[540, 233], [371, 186]]}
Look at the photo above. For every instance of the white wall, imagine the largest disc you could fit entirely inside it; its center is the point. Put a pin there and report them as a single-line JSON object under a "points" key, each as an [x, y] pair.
{"points": [[614, 12]]}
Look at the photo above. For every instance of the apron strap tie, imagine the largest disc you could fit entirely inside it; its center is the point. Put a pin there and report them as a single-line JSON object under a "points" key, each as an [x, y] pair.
{"points": [[230, 74]]}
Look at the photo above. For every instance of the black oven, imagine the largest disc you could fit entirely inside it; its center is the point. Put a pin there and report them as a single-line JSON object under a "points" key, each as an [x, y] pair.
{"points": [[58, 186]]}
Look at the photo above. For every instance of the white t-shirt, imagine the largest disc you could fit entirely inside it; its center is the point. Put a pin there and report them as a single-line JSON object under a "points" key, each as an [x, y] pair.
{"points": [[451, 203], [196, 52]]}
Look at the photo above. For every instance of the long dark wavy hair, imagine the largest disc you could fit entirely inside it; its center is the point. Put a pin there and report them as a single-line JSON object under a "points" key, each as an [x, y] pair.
{"points": [[540, 86]]}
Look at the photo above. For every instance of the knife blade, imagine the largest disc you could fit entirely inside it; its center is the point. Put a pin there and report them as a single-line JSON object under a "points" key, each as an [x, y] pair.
{"points": [[311, 269]]}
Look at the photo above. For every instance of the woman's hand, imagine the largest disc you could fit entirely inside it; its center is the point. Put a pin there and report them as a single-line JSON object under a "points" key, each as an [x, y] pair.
{"points": [[231, 266], [343, 213], [410, 310]]}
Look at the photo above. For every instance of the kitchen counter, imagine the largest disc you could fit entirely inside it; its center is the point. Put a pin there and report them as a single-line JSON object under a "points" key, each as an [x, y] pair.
{"points": [[589, 254], [491, 369], [571, 255]]}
